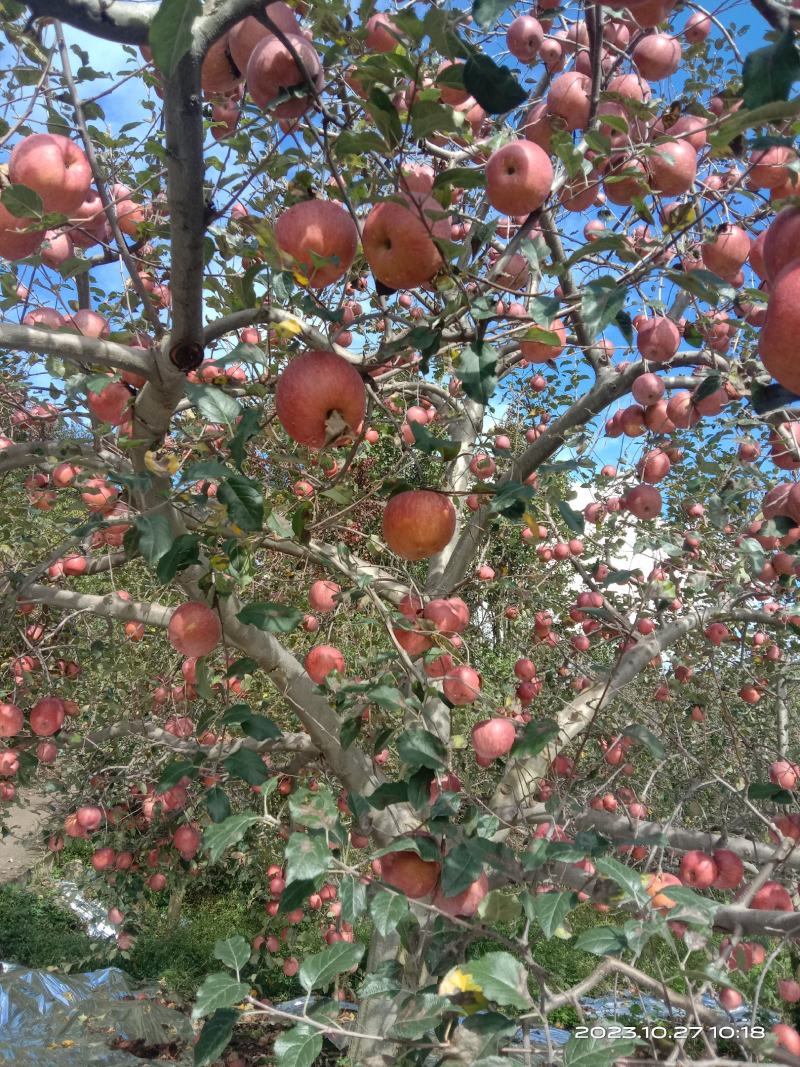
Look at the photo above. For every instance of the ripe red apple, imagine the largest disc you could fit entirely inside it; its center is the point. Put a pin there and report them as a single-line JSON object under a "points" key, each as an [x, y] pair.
{"points": [[772, 896], [47, 716], [409, 873], [318, 396], [784, 774], [272, 69], [194, 629], [55, 168], [321, 660], [462, 685], [493, 738], [318, 229], [518, 178], [398, 246], [466, 902], [11, 720], [450, 615], [322, 596], [698, 870], [418, 523]]}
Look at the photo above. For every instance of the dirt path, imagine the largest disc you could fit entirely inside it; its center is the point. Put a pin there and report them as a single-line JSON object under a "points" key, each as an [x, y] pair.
{"points": [[21, 849]]}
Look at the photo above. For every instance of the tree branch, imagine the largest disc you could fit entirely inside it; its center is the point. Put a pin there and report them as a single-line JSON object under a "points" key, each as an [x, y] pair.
{"points": [[84, 351], [123, 21]]}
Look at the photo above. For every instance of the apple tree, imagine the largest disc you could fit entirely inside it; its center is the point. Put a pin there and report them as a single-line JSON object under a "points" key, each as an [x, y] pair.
{"points": [[398, 435]]}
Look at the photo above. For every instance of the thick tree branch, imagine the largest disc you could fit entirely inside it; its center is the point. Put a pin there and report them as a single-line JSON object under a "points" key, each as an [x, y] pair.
{"points": [[620, 828], [85, 351], [123, 21]]}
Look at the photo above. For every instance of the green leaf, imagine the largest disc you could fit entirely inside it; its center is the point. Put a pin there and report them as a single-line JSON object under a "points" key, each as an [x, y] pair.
{"points": [[754, 555], [709, 385], [476, 370], [244, 500], [499, 907], [386, 794], [596, 1052], [460, 177], [21, 202], [460, 869], [220, 990], [426, 442], [647, 738], [350, 143], [494, 87], [703, 284], [154, 536], [170, 33], [536, 736], [260, 728], [420, 748], [298, 1047], [219, 807], [271, 616], [511, 499], [215, 1036], [246, 764], [296, 894], [502, 978], [768, 791], [691, 906], [769, 73], [318, 970], [629, 881], [552, 908], [385, 116], [387, 909], [222, 835], [214, 404], [574, 519], [184, 552], [601, 302], [353, 895], [307, 857], [419, 1014], [602, 941], [233, 951], [173, 773], [247, 427]]}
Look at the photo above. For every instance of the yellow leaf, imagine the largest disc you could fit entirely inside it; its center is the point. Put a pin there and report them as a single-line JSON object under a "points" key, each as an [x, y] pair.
{"points": [[290, 327], [463, 988]]}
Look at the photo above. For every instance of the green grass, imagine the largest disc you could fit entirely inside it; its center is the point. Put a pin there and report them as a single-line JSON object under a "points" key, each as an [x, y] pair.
{"points": [[37, 931]]}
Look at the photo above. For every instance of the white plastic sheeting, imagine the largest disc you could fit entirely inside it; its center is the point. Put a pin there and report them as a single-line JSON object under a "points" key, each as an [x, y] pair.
{"points": [[52, 1019]]}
